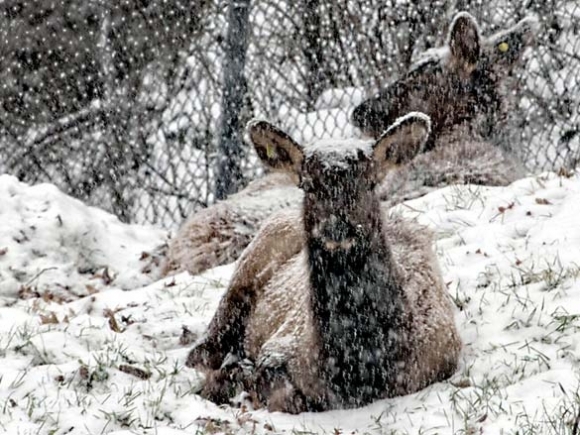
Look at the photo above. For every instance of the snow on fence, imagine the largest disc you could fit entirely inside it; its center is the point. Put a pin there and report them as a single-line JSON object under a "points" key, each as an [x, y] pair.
{"points": [[119, 103]]}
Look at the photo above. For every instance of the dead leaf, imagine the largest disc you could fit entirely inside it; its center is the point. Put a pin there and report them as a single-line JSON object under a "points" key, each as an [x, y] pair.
{"points": [[135, 371], [49, 296], [462, 383], [151, 260], [84, 372], [245, 418], [112, 321], [106, 276], [564, 172], [502, 209], [542, 201], [27, 292], [187, 337], [171, 283], [212, 425], [91, 289], [127, 320], [47, 319]]}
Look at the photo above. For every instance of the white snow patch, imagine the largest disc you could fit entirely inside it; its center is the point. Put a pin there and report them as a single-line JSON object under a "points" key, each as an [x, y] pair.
{"points": [[53, 244], [340, 97], [321, 124]]}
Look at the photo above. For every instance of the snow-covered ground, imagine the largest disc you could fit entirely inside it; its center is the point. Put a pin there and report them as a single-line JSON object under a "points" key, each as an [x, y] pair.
{"points": [[84, 351]]}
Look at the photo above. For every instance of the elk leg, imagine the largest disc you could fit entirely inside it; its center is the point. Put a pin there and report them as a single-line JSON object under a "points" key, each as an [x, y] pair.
{"points": [[276, 243], [273, 388], [226, 382], [225, 332]]}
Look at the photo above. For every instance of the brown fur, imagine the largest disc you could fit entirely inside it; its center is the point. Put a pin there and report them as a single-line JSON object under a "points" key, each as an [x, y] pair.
{"points": [[459, 161], [283, 321], [268, 315], [462, 90], [459, 84], [218, 234]]}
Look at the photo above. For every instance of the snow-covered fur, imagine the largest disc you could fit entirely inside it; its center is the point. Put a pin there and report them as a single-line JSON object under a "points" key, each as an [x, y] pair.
{"points": [[337, 304], [464, 159], [461, 87], [219, 233]]}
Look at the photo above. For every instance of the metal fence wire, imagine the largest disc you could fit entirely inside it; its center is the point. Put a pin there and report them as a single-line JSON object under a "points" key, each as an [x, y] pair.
{"points": [[121, 103]]}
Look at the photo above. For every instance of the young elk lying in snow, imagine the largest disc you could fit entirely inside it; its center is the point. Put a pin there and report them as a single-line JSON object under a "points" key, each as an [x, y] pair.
{"points": [[460, 86], [342, 309]]}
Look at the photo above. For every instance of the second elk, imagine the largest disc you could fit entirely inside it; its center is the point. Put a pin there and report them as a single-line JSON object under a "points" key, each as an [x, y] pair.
{"points": [[462, 87], [343, 308]]}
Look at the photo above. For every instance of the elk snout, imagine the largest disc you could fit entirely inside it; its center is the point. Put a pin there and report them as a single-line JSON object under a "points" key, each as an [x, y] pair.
{"points": [[336, 232]]}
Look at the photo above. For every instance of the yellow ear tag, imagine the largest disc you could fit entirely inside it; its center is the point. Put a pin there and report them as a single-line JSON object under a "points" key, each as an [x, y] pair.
{"points": [[270, 151], [503, 47]]}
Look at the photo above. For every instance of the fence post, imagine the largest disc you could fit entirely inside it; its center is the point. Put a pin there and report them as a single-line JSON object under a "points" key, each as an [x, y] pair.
{"points": [[230, 151]]}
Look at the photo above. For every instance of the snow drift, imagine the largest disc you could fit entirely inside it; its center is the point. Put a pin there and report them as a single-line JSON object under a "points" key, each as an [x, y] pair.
{"points": [[112, 360]]}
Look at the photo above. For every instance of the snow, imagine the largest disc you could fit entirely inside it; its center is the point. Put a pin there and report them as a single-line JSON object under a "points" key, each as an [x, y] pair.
{"points": [[338, 153], [337, 98], [320, 124], [529, 23], [111, 360], [54, 245], [411, 117], [324, 123]]}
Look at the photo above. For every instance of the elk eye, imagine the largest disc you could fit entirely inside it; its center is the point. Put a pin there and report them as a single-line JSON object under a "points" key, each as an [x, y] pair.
{"points": [[306, 184], [503, 46]]}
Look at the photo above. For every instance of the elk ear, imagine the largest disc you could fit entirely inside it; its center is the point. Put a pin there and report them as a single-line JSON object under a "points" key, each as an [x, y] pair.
{"points": [[401, 142], [505, 48], [464, 40], [276, 149]]}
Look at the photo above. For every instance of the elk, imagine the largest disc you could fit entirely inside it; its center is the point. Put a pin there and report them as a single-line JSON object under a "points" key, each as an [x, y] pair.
{"points": [[461, 87], [219, 233], [336, 304]]}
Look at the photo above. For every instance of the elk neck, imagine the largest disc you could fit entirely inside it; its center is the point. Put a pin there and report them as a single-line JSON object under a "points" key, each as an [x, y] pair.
{"points": [[357, 302]]}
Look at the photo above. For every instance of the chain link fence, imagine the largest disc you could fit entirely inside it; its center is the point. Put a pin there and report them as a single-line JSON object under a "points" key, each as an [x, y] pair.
{"points": [[119, 103]]}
